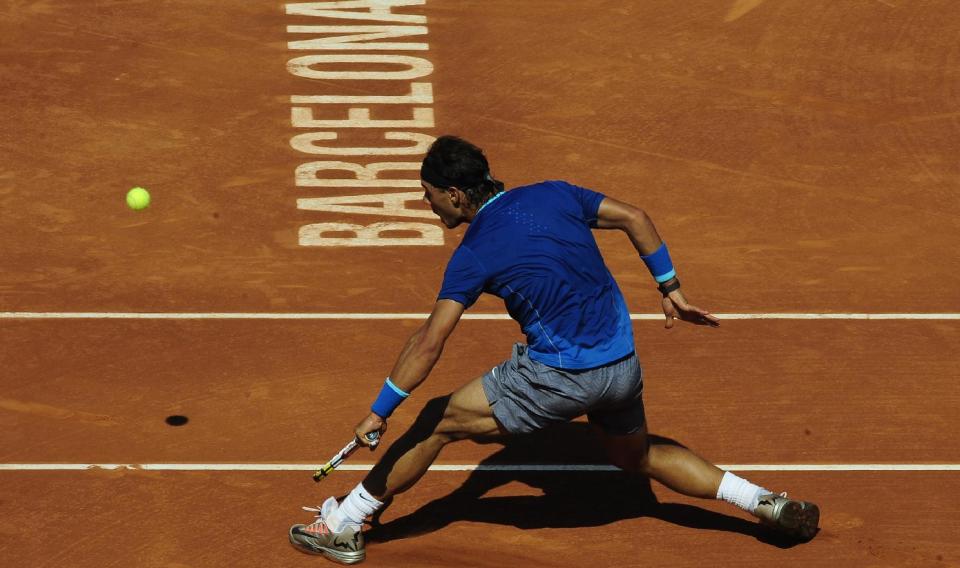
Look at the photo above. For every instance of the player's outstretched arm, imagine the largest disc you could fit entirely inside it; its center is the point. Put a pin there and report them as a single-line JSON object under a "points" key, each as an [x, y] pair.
{"points": [[416, 360], [638, 226], [633, 221]]}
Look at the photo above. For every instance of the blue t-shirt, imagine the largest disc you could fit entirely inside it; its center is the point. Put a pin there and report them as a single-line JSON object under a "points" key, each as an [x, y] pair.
{"points": [[533, 247]]}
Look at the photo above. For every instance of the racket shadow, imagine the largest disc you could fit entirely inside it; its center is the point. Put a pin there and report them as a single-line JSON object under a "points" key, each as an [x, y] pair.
{"points": [[569, 499]]}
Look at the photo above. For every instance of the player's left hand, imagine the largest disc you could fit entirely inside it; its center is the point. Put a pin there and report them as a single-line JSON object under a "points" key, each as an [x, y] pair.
{"points": [[675, 306], [371, 424]]}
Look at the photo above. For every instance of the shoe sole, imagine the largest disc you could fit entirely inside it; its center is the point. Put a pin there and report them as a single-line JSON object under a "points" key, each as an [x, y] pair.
{"points": [[799, 519], [330, 554]]}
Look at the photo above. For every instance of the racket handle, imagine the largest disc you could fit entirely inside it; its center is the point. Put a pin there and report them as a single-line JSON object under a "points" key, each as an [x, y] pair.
{"points": [[372, 437]]}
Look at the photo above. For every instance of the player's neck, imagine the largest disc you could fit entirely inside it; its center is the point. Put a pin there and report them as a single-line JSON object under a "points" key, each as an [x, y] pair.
{"points": [[470, 212]]}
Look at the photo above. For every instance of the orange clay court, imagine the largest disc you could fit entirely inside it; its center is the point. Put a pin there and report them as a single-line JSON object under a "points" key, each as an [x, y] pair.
{"points": [[800, 156]]}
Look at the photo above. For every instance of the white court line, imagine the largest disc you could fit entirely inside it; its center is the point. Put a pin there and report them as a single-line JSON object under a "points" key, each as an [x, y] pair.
{"points": [[423, 316], [458, 467]]}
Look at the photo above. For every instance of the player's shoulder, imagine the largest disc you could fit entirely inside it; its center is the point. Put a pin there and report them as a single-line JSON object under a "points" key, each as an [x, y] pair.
{"points": [[544, 184], [540, 187]]}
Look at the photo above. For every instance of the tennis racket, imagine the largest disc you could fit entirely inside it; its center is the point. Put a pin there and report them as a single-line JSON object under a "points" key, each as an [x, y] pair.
{"points": [[343, 454]]}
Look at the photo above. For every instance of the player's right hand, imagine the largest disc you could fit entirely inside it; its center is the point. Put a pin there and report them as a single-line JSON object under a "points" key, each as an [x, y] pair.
{"points": [[369, 430]]}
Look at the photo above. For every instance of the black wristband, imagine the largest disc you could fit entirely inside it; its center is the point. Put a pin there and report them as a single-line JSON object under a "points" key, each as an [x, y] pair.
{"points": [[669, 286]]}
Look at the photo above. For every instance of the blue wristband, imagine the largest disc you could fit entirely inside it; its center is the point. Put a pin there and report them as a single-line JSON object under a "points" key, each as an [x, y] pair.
{"points": [[388, 400], [660, 265]]}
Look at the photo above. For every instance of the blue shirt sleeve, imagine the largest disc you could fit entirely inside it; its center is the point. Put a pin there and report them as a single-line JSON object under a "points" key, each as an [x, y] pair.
{"points": [[464, 279], [588, 200]]}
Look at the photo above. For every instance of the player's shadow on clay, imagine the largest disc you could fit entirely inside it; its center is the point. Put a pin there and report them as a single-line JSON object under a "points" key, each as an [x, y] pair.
{"points": [[570, 498]]}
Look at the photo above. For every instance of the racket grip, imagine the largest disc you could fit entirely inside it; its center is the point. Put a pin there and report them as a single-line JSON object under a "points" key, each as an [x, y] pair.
{"points": [[322, 472], [373, 438]]}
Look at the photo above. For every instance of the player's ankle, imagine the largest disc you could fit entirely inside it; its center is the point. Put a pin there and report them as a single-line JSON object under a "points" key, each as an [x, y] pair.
{"points": [[354, 509], [740, 492]]}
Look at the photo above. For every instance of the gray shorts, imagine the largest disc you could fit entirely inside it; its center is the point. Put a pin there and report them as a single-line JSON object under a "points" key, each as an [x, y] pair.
{"points": [[527, 395]]}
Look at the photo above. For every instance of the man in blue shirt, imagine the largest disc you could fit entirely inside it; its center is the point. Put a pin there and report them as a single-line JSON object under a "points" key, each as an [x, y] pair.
{"points": [[533, 247]]}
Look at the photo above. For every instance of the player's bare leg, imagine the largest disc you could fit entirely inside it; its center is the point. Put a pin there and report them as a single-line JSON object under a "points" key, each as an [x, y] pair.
{"points": [[464, 414], [685, 472], [674, 466]]}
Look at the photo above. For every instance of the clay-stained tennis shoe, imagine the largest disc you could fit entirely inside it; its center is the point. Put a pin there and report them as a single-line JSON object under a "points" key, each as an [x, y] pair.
{"points": [[798, 519], [345, 547]]}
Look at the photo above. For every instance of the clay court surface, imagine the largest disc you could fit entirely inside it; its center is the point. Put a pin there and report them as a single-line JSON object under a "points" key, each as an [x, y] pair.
{"points": [[800, 157]]}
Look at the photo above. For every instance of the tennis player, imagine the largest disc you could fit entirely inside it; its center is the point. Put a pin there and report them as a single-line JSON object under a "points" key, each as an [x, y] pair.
{"points": [[533, 247]]}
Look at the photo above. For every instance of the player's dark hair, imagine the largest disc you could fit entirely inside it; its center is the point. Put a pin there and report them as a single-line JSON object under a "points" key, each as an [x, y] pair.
{"points": [[454, 162]]}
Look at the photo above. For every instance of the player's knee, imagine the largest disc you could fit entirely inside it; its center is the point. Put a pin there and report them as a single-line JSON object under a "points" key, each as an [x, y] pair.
{"points": [[445, 422], [634, 459], [641, 464], [632, 463], [455, 424], [451, 429]]}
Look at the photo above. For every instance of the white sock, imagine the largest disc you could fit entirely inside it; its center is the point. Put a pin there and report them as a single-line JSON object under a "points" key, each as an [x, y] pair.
{"points": [[740, 492], [357, 506]]}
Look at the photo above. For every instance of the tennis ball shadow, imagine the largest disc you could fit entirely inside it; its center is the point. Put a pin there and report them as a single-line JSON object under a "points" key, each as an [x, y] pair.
{"points": [[569, 498], [176, 420]]}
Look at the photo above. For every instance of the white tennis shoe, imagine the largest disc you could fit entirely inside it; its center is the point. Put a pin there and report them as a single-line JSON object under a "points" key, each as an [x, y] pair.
{"points": [[798, 519], [345, 547]]}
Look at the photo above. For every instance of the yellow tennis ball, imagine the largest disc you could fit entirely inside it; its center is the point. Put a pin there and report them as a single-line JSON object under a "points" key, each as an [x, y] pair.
{"points": [[138, 198]]}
